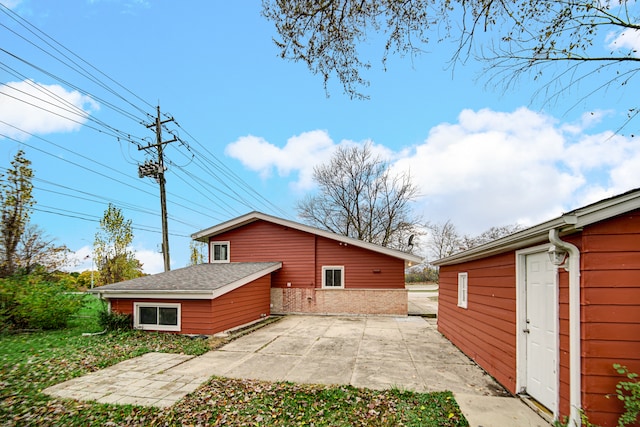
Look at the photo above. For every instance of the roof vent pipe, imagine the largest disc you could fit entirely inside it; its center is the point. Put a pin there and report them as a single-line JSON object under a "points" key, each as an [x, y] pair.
{"points": [[575, 371]]}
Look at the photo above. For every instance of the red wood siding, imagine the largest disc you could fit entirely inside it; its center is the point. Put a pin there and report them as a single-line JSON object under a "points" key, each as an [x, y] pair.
{"points": [[263, 241], [363, 269], [303, 255], [486, 330], [207, 317], [610, 312], [243, 305]]}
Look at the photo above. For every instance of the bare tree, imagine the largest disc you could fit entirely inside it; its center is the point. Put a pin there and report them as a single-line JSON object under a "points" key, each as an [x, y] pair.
{"points": [[444, 240], [35, 249], [493, 233], [520, 36], [360, 198]]}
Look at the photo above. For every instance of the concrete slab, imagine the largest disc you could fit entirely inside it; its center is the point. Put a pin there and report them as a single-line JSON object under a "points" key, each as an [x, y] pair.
{"points": [[267, 367], [386, 334], [375, 352], [423, 300], [467, 379], [322, 369], [335, 347], [294, 345], [252, 342], [381, 349], [490, 411], [385, 373], [351, 328], [436, 352]]}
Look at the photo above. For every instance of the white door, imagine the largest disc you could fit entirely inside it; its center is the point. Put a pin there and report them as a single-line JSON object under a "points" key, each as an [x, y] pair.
{"points": [[541, 330]]}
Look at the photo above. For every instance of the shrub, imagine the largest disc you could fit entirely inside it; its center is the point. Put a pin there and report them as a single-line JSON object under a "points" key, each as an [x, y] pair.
{"points": [[29, 304], [113, 321], [427, 274], [629, 393]]}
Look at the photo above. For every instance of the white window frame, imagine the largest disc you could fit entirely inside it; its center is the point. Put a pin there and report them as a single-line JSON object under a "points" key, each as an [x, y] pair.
{"points": [[332, 267], [212, 252], [463, 290], [156, 327]]}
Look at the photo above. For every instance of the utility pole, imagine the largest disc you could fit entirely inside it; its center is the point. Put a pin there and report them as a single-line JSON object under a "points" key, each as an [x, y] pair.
{"points": [[156, 170]]}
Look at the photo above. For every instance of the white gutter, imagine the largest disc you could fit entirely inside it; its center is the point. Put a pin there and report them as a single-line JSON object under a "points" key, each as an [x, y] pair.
{"points": [[575, 371]]}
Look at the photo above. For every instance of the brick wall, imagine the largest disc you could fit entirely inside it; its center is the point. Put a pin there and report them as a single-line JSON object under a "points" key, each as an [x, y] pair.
{"points": [[339, 301]]}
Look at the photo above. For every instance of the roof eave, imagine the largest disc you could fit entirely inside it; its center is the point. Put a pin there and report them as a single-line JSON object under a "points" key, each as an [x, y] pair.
{"points": [[152, 294]]}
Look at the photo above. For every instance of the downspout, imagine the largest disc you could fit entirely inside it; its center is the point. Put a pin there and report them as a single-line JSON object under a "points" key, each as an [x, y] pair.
{"points": [[575, 386]]}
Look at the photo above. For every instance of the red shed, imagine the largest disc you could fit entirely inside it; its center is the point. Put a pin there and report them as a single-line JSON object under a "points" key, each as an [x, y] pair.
{"points": [[322, 272], [547, 311]]}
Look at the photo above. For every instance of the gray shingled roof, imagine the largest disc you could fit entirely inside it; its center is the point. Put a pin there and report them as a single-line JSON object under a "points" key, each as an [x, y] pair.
{"points": [[201, 277]]}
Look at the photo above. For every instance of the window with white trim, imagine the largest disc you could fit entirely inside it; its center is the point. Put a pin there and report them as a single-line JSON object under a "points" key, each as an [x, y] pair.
{"points": [[156, 316], [463, 285], [219, 252], [333, 277]]}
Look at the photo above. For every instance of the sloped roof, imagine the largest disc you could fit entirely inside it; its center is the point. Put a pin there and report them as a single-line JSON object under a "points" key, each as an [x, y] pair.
{"points": [[566, 223], [202, 281], [204, 235]]}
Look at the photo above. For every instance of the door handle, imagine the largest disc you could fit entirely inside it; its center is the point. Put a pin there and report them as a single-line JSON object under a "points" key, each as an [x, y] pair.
{"points": [[526, 331]]}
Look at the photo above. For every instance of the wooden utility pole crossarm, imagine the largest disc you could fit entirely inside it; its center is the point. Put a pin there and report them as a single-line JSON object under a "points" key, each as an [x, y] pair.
{"points": [[157, 171]]}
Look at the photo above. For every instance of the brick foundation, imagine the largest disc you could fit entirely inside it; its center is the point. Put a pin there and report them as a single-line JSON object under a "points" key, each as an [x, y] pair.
{"points": [[339, 301]]}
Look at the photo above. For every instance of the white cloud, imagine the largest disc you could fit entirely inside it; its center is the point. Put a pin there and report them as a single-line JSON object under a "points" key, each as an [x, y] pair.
{"points": [[41, 109], [299, 156], [80, 260], [152, 261], [495, 168], [488, 169], [628, 39]]}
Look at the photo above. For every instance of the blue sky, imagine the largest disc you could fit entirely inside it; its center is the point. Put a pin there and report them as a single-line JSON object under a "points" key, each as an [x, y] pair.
{"points": [[254, 126]]}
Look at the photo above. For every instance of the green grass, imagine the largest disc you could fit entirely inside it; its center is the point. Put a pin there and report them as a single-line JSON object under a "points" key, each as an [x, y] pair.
{"points": [[31, 362]]}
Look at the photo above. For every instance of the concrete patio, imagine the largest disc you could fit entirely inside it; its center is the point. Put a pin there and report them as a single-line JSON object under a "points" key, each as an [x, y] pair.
{"points": [[372, 352]]}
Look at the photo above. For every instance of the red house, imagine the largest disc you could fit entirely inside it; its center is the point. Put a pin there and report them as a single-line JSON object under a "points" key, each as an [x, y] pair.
{"points": [[258, 265], [547, 311]]}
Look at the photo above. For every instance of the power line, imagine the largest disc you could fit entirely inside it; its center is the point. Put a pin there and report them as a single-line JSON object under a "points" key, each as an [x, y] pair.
{"points": [[92, 218], [231, 188], [116, 132], [33, 29], [217, 164]]}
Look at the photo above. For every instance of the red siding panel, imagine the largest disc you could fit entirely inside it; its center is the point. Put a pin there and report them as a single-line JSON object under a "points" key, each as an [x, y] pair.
{"points": [[610, 311], [245, 304], [262, 241], [485, 331], [363, 269]]}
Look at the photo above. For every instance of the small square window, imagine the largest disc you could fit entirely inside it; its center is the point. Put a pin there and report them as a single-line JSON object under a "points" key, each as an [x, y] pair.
{"points": [[463, 285], [219, 252], [333, 277]]}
